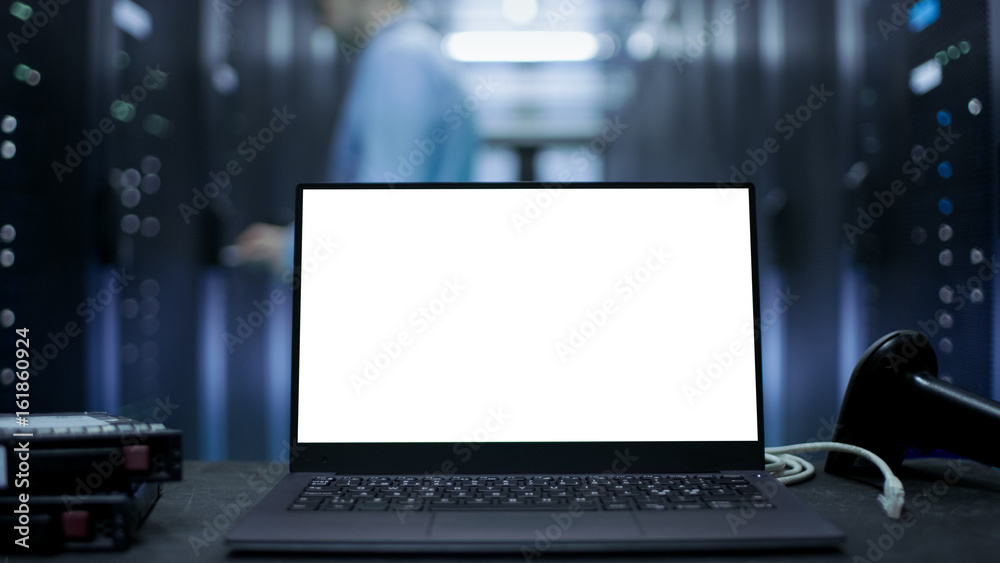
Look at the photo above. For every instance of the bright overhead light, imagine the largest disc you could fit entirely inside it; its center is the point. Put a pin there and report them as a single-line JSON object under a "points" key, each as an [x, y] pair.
{"points": [[520, 46]]}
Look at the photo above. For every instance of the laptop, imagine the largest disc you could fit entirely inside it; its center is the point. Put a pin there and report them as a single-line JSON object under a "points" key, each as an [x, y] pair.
{"points": [[527, 368]]}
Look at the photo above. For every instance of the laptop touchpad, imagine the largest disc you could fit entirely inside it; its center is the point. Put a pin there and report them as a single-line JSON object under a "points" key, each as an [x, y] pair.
{"points": [[528, 527]]}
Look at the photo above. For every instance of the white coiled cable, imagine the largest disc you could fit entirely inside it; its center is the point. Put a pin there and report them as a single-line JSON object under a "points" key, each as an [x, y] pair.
{"points": [[791, 469]]}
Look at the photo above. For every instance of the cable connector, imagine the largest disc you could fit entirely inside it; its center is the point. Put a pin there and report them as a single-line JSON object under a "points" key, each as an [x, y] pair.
{"points": [[893, 496]]}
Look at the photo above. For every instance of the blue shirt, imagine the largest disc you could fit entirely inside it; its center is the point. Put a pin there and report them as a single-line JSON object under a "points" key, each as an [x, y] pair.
{"points": [[406, 118]]}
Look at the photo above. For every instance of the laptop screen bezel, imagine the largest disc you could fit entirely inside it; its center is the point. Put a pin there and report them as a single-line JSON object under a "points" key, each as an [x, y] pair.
{"points": [[531, 457]]}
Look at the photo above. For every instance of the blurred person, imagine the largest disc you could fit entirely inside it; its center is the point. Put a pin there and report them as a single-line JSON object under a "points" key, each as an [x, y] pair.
{"points": [[403, 119], [402, 92]]}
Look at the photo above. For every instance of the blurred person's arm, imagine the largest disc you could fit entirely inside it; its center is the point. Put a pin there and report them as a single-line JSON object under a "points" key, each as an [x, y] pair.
{"points": [[271, 245]]}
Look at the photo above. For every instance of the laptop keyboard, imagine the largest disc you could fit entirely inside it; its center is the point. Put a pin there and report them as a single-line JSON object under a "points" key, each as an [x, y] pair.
{"points": [[580, 492]]}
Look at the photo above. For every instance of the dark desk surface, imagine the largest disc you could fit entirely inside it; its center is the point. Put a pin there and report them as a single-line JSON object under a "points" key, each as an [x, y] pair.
{"points": [[953, 520]]}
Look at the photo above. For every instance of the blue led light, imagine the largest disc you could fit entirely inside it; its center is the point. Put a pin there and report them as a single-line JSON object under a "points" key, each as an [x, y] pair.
{"points": [[922, 14], [944, 118], [945, 206], [944, 170]]}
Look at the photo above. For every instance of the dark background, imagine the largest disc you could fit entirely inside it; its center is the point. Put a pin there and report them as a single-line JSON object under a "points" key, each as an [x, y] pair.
{"points": [[107, 245]]}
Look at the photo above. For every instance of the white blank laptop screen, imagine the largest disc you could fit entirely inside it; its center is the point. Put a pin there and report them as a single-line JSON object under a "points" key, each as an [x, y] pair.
{"points": [[526, 315]]}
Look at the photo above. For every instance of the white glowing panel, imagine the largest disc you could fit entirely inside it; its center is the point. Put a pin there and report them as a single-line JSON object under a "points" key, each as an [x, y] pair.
{"points": [[520, 46], [526, 315]]}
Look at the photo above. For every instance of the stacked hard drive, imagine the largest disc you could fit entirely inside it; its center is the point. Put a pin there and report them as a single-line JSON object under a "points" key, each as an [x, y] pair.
{"points": [[80, 481]]}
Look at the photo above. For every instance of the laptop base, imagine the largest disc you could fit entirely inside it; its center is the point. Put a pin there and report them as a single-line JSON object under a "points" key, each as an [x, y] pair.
{"points": [[790, 525]]}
